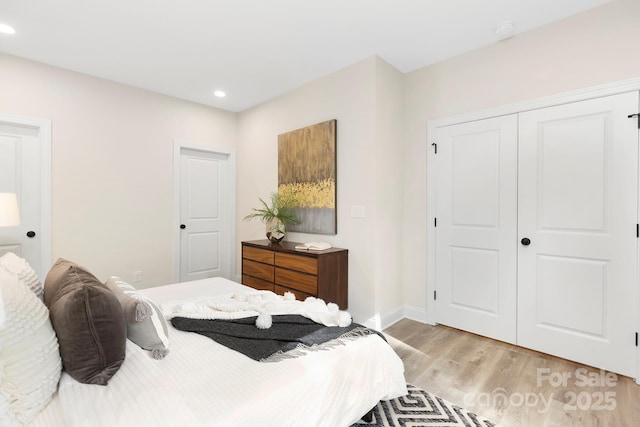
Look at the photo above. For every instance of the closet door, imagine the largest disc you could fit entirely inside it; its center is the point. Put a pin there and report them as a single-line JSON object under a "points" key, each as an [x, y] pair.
{"points": [[577, 207], [476, 230]]}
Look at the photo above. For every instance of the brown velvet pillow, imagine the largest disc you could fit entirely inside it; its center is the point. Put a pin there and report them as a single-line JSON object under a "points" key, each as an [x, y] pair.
{"points": [[88, 321]]}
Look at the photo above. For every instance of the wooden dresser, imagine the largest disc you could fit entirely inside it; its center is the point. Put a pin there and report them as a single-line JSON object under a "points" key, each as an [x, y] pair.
{"points": [[279, 267]]}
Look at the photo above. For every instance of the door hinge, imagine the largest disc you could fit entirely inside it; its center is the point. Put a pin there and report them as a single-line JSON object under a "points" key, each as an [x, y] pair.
{"points": [[637, 230], [434, 298], [435, 222], [636, 339], [637, 116], [435, 148]]}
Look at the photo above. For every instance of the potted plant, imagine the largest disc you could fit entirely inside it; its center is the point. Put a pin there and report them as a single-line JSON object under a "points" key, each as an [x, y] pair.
{"points": [[276, 215]]}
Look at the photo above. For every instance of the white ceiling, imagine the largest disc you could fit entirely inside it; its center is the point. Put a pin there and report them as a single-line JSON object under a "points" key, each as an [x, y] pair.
{"points": [[255, 49]]}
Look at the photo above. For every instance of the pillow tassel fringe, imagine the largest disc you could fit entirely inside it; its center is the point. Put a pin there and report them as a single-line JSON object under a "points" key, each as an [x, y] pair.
{"points": [[159, 353], [142, 311]]}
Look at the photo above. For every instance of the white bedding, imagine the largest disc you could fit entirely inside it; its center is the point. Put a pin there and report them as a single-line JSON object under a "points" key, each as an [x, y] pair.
{"points": [[202, 383]]}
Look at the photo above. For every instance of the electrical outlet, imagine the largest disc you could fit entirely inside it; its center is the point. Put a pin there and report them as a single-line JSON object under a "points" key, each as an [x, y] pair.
{"points": [[137, 276]]}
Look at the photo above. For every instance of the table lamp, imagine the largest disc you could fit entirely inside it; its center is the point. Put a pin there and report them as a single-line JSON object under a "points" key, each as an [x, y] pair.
{"points": [[9, 217], [9, 213]]}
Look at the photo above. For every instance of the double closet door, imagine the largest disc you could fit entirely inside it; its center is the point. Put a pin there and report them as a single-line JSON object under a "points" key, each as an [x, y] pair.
{"points": [[536, 236]]}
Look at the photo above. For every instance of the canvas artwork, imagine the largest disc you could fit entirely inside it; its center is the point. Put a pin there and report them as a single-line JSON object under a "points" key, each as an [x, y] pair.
{"points": [[307, 168]]}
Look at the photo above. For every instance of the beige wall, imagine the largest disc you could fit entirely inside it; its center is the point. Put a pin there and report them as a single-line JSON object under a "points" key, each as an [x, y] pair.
{"points": [[364, 143], [389, 194], [112, 149], [112, 164], [594, 47]]}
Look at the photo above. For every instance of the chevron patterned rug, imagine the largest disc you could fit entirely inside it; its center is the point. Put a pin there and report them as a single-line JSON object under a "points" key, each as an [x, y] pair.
{"points": [[422, 409]]}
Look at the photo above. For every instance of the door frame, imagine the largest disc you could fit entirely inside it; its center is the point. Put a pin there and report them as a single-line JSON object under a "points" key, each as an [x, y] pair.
{"points": [[178, 145], [548, 101], [43, 127]]}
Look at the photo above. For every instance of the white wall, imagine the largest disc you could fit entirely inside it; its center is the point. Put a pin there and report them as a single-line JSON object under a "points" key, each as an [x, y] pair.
{"points": [[111, 164], [364, 143], [594, 47]]}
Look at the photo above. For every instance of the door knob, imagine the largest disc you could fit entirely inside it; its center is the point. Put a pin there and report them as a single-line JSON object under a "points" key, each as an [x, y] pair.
{"points": [[182, 226], [525, 241], [31, 234]]}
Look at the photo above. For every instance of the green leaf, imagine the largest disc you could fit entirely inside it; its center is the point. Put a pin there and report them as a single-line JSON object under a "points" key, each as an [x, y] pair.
{"points": [[281, 207]]}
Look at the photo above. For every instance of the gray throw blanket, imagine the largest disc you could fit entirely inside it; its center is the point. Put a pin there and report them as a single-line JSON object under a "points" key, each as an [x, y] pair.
{"points": [[289, 336]]}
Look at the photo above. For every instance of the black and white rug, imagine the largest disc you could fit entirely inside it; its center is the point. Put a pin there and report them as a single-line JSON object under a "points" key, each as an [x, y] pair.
{"points": [[422, 409]]}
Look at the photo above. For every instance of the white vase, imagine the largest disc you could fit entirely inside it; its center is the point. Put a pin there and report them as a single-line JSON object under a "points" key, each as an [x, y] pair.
{"points": [[275, 230]]}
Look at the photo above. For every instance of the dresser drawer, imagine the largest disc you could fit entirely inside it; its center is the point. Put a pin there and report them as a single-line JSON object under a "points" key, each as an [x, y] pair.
{"points": [[298, 281], [300, 296], [257, 254], [297, 262], [257, 269], [256, 283]]}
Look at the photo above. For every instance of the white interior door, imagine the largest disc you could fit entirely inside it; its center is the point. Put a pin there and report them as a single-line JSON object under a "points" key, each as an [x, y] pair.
{"points": [[204, 215], [476, 228], [577, 285], [20, 173]]}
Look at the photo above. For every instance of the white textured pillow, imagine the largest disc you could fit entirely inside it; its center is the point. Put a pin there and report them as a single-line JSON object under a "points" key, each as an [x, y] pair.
{"points": [[30, 364], [20, 268], [146, 326]]}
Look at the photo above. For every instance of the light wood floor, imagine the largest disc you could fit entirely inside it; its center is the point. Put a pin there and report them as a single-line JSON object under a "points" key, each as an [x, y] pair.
{"points": [[510, 385]]}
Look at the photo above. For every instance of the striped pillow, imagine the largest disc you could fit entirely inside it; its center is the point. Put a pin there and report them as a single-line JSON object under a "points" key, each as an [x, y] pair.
{"points": [[20, 268], [146, 326], [30, 364]]}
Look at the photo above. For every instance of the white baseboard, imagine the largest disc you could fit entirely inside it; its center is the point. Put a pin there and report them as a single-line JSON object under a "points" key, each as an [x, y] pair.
{"points": [[418, 314], [392, 317], [380, 322]]}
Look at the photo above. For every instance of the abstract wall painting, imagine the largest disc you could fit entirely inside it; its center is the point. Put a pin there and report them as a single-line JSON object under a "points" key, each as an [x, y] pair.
{"points": [[307, 168]]}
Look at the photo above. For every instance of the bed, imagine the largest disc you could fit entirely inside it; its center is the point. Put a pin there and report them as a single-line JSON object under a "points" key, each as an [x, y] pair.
{"points": [[203, 383]]}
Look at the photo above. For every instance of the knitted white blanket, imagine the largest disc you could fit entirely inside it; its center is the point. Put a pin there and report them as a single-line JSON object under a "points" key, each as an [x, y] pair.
{"points": [[263, 304]]}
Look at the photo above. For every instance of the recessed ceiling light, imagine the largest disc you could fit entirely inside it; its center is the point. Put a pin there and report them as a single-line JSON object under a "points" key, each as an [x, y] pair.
{"points": [[220, 93], [505, 30], [6, 29]]}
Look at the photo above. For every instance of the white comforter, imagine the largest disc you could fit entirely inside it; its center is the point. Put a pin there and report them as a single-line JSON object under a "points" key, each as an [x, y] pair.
{"points": [[202, 383], [262, 304]]}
